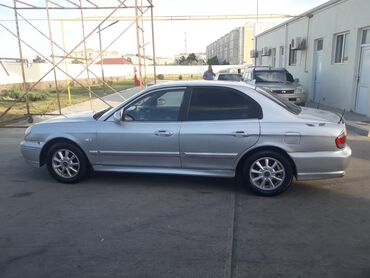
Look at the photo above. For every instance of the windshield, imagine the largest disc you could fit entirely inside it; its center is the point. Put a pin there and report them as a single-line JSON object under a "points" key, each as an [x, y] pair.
{"points": [[287, 105], [230, 77], [270, 76]]}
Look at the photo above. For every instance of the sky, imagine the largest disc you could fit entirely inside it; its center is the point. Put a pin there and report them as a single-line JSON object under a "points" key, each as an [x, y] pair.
{"points": [[169, 35]]}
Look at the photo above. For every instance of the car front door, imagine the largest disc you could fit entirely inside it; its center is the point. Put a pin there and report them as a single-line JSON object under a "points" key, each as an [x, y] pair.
{"points": [[221, 124], [149, 134]]}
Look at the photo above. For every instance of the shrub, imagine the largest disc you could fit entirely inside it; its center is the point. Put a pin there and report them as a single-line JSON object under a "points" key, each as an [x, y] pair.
{"points": [[37, 96], [16, 95], [180, 77], [160, 76], [9, 94]]}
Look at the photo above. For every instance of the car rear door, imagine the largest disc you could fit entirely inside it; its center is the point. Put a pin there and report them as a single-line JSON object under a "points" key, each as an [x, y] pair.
{"points": [[220, 125]]}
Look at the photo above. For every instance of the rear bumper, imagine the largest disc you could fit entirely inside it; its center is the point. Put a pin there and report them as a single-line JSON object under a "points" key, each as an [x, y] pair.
{"points": [[321, 165], [31, 152]]}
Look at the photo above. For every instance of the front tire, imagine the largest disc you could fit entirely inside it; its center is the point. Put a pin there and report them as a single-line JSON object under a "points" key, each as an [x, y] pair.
{"points": [[267, 173], [67, 163]]}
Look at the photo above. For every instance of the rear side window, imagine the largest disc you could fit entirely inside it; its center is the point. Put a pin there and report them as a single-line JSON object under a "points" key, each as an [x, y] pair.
{"points": [[217, 104]]}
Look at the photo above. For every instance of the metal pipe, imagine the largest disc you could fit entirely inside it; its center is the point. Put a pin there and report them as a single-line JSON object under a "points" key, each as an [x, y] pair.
{"points": [[66, 65], [138, 44], [101, 57], [143, 41], [57, 64], [153, 45], [85, 51], [53, 59], [21, 57]]}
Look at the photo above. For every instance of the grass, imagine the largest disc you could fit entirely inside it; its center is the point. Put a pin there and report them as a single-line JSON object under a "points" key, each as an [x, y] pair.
{"points": [[45, 101]]}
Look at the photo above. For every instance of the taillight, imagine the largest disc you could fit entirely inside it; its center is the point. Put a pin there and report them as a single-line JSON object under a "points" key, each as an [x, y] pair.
{"points": [[341, 140]]}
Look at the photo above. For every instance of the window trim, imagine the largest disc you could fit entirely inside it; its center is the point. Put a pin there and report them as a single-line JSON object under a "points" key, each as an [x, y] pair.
{"points": [[344, 46], [190, 94]]}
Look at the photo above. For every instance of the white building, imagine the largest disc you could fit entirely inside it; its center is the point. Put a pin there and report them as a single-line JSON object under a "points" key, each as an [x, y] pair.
{"points": [[328, 49]]}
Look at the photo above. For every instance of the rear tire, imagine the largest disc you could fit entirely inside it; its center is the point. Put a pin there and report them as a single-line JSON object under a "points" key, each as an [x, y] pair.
{"points": [[67, 163], [267, 173]]}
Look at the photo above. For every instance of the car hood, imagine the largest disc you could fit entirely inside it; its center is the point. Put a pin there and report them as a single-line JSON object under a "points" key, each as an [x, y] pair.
{"points": [[279, 86], [76, 117], [317, 115]]}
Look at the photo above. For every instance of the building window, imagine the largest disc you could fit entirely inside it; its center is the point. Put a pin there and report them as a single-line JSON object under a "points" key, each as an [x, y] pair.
{"points": [[292, 56], [273, 57], [319, 44], [281, 60], [341, 48], [366, 37]]}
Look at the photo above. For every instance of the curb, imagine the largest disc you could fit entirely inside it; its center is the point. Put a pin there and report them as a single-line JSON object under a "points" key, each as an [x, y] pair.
{"points": [[357, 129]]}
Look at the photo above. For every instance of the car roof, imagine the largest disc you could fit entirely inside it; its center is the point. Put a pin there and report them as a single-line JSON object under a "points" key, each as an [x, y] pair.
{"points": [[204, 83]]}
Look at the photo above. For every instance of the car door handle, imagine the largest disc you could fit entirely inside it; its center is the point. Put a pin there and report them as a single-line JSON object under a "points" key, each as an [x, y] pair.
{"points": [[239, 133], [163, 133]]}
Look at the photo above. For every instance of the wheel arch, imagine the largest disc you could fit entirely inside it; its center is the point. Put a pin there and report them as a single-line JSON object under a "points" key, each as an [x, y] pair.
{"points": [[50, 143], [265, 148]]}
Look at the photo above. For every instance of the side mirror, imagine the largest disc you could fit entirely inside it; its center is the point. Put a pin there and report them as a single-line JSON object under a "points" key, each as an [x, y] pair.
{"points": [[118, 116], [296, 80]]}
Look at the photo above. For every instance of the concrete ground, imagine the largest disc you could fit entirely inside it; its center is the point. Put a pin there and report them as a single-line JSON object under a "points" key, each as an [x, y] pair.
{"points": [[126, 225]]}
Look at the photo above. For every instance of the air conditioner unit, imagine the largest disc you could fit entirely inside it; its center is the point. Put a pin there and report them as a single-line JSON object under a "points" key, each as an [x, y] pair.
{"points": [[298, 43], [266, 51], [254, 53]]}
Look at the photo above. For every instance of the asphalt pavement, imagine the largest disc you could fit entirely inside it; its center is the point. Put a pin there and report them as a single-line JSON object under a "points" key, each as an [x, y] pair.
{"points": [[131, 225]]}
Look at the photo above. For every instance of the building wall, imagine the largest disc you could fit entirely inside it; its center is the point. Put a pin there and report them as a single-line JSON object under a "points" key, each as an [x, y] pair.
{"points": [[338, 81], [228, 48], [35, 71], [248, 44]]}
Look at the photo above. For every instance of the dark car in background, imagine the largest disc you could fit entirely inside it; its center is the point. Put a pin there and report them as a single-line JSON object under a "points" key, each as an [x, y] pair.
{"points": [[277, 80]]}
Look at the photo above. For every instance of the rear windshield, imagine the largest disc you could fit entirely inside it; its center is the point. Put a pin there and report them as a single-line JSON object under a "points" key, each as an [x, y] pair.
{"points": [[287, 105], [271, 76], [230, 77]]}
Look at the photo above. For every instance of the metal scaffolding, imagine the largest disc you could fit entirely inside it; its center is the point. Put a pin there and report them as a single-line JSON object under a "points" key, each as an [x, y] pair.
{"points": [[140, 8]]}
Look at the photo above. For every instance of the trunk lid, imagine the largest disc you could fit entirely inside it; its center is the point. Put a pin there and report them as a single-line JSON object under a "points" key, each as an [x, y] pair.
{"points": [[317, 115]]}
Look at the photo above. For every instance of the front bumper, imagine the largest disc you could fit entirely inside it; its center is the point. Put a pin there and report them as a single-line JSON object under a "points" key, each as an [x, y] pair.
{"points": [[321, 165], [296, 98], [31, 152]]}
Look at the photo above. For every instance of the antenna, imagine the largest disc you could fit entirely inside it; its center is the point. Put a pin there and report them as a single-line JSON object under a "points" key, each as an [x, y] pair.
{"points": [[341, 117]]}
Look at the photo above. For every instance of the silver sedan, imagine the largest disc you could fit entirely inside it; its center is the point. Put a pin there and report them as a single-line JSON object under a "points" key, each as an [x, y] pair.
{"points": [[223, 129]]}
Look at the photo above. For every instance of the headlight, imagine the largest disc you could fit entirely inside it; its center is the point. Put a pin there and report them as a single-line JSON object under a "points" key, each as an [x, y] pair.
{"points": [[28, 131], [299, 90]]}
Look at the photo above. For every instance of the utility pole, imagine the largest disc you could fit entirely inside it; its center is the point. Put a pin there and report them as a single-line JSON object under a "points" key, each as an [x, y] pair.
{"points": [[255, 38], [101, 51]]}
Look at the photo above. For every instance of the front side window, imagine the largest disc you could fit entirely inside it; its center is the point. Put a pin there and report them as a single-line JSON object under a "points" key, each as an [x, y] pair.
{"points": [[158, 106], [341, 48], [216, 103]]}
